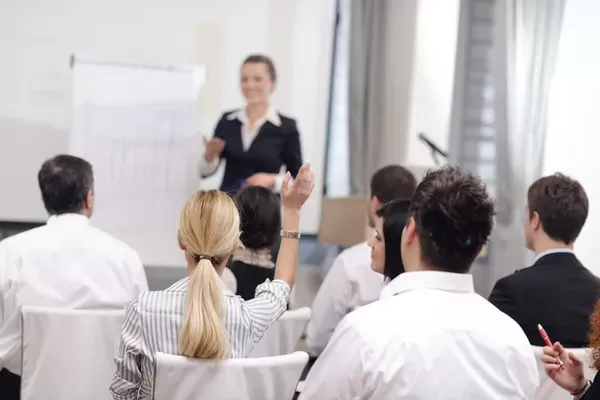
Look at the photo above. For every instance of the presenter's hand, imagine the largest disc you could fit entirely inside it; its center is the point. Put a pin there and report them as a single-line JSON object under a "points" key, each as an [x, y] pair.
{"points": [[262, 179], [295, 195], [571, 378], [213, 148]]}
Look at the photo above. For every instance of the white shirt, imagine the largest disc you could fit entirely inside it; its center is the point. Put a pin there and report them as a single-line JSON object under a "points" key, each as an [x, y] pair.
{"points": [[349, 284], [551, 251], [66, 263], [248, 133], [153, 321], [432, 338]]}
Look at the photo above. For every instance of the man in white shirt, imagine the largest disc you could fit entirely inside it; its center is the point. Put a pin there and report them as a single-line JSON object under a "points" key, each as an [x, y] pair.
{"points": [[66, 263], [351, 283], [431, 336]]}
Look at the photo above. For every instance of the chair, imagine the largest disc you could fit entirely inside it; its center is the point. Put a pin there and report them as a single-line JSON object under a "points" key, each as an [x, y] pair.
{"points": [[548, 390], [68, 354], [283, 336], [182, 378]]}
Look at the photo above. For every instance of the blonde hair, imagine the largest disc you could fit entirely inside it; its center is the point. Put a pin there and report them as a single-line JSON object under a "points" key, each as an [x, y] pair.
{"points": [[209, 229]]}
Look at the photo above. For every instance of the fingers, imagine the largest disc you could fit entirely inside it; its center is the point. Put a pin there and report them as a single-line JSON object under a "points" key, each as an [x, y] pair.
{"points": [[286, 182], [546, 359], [549, 351], [551, 369], [576, 361]]}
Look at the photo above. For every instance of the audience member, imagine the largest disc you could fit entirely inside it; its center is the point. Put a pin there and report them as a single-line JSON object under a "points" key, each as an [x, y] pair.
{"points": [[571, 376], [386, 256], [557, 291], [351, 283], [195, 317], [260, 213], [431, 336], [66, 263]]}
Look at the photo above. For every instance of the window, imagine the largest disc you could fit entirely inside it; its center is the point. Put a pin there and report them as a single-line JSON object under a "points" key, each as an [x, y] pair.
{"points": [[337, 162]]}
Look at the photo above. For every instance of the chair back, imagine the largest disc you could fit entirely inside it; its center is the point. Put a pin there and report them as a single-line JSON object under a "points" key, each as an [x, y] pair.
{"points": [[68, 354], [182, 378], [282, 337], [548, 390]]}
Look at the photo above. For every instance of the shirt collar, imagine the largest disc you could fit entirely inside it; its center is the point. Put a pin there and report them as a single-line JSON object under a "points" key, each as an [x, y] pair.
{"points": [[446, 281], [551, 251], [73, 219], [271, 116]]}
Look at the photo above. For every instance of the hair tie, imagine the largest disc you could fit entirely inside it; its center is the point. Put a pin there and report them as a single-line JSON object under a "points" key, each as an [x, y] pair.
{"points": [[199, 257]]}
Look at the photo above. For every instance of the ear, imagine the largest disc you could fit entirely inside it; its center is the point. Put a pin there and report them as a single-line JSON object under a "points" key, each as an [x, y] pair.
{"points": [[89, 199], [410, 231], [181, 246], [535, 221], [375, 204]]}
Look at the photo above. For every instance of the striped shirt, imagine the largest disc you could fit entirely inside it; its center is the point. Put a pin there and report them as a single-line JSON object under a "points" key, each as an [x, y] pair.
{"points": [[152, 324]]}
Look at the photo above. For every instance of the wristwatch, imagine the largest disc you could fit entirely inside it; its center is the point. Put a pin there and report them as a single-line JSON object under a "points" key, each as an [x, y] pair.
{"points": [[290, 235], [585, 387]]}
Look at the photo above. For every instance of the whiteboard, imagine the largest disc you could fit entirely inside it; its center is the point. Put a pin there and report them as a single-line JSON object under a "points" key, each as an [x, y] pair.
{"points": [[135, 125]]}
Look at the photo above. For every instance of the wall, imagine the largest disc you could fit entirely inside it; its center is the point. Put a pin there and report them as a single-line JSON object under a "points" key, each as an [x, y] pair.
{"points": [[37, 38], [573, 136], [433, 78]]}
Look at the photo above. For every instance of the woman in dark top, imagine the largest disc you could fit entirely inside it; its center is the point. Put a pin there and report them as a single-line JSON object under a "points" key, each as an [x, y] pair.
{"points": [[385, 244], [571, 377], [260, 225], [256, 141]]}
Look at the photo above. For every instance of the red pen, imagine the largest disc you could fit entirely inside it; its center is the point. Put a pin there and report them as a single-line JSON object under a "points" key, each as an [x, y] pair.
{"points": [[548, 343]]}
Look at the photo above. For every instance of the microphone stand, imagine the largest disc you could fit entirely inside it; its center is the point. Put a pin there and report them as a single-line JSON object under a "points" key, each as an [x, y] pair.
{"points": [[435, 150]]}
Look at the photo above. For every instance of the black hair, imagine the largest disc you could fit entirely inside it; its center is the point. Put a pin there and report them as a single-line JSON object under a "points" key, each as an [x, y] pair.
{"points": [[65, 182], [454, 217], [260, 214], [394, 215], [561, 203], [393, 182]]}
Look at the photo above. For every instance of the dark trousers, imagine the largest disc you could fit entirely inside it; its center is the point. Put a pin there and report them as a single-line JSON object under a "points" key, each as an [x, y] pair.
{"points": [[10, 385]]}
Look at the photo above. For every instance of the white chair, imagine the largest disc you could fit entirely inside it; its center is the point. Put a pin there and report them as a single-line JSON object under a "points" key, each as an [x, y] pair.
{"points": [[548, 390], [182, 378], [68, 354], [282, 337], [229, 280]]}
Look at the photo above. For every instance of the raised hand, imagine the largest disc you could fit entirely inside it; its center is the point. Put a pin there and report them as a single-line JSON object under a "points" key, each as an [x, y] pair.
{"points": [[213, 148], [295, 195]]}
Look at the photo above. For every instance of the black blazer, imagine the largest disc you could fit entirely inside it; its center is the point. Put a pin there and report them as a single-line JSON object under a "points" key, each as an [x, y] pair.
{"points": [[272, 147], [248, 277], [557, 292], [593, 393]]}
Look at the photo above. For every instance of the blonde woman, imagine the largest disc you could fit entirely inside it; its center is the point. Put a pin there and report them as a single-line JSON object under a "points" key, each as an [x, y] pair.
{"points": [[197, 317]]}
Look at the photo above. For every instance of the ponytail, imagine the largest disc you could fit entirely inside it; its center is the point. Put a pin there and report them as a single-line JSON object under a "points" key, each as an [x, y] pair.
{"points": [[202, 332]]}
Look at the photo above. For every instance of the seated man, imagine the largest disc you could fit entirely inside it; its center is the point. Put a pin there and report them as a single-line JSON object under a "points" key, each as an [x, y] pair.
{"points": [[66, 263], [431, 336], [557, 291], [351, 283]]}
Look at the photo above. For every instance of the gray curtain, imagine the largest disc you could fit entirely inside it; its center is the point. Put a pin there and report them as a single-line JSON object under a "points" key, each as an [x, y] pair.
{"points": [[382, 35]]}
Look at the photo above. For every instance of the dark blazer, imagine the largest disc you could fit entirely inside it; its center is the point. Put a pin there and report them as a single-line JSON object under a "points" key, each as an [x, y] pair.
{"points": [[272, 147], [248, 277], [557, 292], [593, 392]]}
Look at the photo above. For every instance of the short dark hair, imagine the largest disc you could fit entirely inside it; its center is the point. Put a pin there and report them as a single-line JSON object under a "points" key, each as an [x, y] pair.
{"points": [[263, 59], [454, 217], [394, 215], [260, 214], [561, 203], [65, 182], [393, 182]]}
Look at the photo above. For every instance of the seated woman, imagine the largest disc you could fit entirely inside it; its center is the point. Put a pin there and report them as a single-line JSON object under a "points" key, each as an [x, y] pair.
{"points": [[571, 376], [260, 213], [385, 244], [196, 317]]}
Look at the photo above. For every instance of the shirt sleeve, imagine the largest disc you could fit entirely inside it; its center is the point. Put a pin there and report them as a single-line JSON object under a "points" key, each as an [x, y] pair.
{"points": [[331, 304], [10, 317], [208, 168], [269, 303], [127, 379], [338, 373]]}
